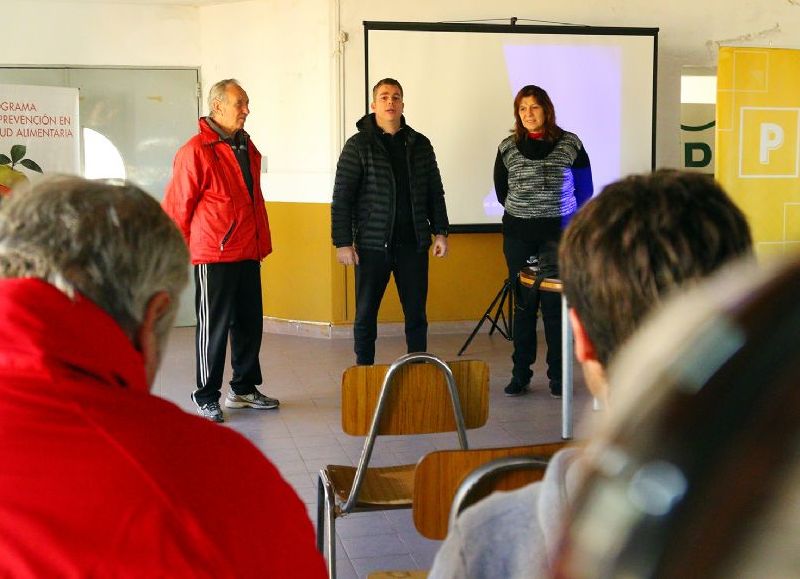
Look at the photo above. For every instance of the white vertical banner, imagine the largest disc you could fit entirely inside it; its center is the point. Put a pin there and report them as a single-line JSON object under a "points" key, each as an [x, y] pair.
{"points": [[39, 132]]}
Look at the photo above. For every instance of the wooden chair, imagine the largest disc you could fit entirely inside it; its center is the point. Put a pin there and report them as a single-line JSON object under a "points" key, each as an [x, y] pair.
{"points": [[447, 481], [401, 399], [439, 475]]}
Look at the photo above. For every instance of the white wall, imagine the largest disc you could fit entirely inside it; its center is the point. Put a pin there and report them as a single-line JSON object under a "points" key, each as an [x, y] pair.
{"points": [[689, 33], [280, 50], [283, 51], [57, 33]]}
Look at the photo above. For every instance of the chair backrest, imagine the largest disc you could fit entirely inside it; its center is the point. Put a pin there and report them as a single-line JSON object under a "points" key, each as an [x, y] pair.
{"points": [[418, 400], [501, 474], [439, 475]]}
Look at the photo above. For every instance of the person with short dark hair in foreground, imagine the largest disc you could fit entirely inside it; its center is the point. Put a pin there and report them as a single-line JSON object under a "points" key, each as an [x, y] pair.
{"points": [[629, 247], [100, 478], [695, 471]]}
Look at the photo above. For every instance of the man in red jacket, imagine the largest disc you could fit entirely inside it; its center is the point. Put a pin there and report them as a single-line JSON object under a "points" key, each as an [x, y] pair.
{"points": [[215, 198], [100, 478]]}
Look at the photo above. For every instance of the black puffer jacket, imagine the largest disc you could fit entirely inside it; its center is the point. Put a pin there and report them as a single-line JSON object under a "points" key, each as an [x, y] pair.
{"points": [[363, 207]]}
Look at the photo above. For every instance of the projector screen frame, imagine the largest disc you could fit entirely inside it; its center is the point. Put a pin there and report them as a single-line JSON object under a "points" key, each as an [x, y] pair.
{"points": [[514, 29]]}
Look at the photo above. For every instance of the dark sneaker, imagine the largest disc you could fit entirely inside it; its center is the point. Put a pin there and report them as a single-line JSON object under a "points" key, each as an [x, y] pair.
{"points": [[555, 388], [210, 410], [254, 400], [516, 388]]}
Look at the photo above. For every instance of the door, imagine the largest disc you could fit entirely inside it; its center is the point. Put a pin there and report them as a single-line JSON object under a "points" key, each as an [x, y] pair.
{"points": [[133, 120]]}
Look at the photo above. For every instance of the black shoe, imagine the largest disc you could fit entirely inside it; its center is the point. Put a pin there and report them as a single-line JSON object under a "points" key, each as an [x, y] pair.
{"points": [[555, 388], [516, 388]]}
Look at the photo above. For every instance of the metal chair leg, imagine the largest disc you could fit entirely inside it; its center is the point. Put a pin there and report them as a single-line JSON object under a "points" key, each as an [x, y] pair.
{"points": [[320, 516], [566, 371], [326, 522], [331, 527]]}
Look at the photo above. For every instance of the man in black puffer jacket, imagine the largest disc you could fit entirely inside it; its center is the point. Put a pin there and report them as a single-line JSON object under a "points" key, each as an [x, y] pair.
{"points": [[387, 201]]}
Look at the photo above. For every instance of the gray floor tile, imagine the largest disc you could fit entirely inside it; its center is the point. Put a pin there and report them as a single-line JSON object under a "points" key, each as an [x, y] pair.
{"points": [[305, 432], [363, 525], [374, 546], [365, 566]]}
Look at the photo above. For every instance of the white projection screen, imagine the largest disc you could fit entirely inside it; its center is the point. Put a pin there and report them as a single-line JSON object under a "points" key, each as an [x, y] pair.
{"points": [[459, 83]]}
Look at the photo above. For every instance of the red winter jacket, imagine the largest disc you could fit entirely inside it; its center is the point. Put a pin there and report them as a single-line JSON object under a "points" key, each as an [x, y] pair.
{"points": [[208, 199], [100, 478]]}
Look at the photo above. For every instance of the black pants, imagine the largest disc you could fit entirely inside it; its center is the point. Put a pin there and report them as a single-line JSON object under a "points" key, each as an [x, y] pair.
{"points": [[410, 269], [527, 305], [227, 299]]}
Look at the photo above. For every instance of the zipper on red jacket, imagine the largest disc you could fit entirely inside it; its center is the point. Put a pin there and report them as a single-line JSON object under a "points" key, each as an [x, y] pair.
{"points": [[253, 199], [233, 200], [256, 215], [227, 177], [227, 236]]}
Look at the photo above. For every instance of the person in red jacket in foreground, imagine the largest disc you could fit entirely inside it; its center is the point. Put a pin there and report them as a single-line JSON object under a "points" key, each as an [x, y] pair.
{"points": [[100, 478], [215, 199]]}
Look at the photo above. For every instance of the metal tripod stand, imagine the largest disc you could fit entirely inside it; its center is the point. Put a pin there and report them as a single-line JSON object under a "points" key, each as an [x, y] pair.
{"points": [[506, 320]]}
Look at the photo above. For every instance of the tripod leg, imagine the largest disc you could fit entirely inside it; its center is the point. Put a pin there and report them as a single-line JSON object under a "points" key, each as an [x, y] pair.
{"points": [[499, 315], [508, 298], [486, 316]]}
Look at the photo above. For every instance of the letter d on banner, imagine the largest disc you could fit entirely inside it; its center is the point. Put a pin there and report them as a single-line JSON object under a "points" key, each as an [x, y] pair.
{"points": [[771, 139]]}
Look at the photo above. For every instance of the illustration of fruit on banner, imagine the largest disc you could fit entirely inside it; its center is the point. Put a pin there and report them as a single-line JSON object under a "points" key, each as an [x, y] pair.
{"points": [[9, 176]]}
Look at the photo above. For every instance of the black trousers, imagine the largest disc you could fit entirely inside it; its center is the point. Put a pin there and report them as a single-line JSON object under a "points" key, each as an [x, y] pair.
{"points": [[527, 304], [227, 301], [410, 269]]}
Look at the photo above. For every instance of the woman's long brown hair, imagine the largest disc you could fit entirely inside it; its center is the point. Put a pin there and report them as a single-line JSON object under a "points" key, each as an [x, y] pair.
{"points": [[551, 130]]}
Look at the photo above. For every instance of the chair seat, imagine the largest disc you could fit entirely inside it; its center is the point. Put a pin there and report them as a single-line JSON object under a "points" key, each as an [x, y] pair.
{"points": [[385, 487]]}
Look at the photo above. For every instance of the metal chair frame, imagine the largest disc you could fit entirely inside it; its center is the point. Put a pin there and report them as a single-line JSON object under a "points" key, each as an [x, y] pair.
{"points": [[327, 507], [464, 496]]}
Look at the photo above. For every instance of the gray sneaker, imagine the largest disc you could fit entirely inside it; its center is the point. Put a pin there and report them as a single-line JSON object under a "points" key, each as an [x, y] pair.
{"points": [[210, 410], [254, 400]]}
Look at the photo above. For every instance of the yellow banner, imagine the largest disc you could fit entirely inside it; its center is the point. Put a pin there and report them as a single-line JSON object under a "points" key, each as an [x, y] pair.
{"points": [[758, 141]]}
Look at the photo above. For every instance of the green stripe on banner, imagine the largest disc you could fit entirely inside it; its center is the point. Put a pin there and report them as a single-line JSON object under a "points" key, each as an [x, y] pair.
{"points": [[700, 128]]}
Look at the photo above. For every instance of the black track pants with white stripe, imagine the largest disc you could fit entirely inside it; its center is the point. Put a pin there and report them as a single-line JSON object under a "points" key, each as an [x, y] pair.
{"points": [[227, 298]]}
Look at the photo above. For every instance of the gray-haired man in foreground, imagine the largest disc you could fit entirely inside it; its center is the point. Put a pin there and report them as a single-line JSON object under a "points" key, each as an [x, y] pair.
{"points": [[101, 478]]}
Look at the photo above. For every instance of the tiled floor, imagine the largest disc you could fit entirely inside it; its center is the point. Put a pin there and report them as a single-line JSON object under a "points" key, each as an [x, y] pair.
{"points": [[305, 432]]}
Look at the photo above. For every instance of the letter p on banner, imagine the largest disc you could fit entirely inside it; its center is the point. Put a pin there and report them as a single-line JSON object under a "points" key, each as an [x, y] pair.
{"points": [[769, 140]]}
